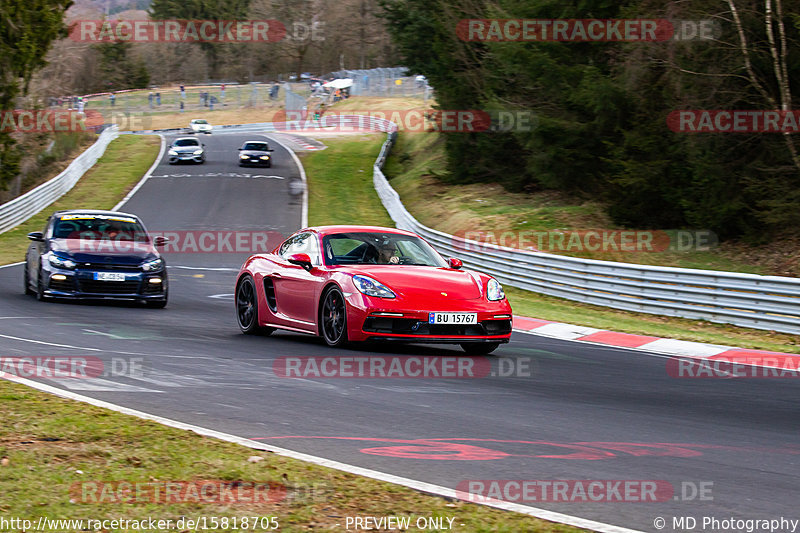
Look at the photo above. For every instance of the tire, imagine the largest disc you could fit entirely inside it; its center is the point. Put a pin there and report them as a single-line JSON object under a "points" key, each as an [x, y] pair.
{"points": [[40, 287], [27, 278], [333, 318], [157, 304], [479, 348], [246, 301]]}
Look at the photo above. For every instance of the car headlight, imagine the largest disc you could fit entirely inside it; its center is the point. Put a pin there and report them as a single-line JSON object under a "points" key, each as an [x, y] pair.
{"points": [[62, 262], [371, 287], [155, 264], [244, 156], [264, 157], [198, 151], [172, 152], [494, 291]]}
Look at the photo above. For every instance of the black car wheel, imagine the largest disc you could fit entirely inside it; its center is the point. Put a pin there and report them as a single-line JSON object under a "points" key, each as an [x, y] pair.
{"points": [[482, 348], [28, 289], [333, 319], [40, 287], [158, 304], [247, 308]]}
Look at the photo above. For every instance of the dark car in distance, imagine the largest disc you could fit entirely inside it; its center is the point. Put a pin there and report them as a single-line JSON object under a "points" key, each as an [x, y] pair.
{"points": [[96, 255], [255, 153]]}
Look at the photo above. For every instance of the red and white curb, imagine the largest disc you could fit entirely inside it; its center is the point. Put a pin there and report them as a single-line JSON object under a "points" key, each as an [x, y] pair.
{"points": [[302, 142], [645, 343]]}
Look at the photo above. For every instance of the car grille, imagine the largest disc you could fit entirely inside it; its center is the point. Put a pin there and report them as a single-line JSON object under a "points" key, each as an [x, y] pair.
{"points": [[108, 267], [109, 287], [410, 326]]}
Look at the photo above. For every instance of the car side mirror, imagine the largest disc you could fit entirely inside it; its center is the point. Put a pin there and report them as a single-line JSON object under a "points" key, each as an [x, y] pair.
{"points": [[455, 263], [302, 260], [160, 241], [36, 236], [240, 149]]}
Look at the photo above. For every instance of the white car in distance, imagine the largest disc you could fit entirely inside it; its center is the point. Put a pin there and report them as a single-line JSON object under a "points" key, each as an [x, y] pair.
{"points": [[200, 125]]}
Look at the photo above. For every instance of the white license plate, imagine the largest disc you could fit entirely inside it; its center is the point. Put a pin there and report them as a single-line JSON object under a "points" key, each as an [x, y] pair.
{"points": [[452, 318], [109, 276]]}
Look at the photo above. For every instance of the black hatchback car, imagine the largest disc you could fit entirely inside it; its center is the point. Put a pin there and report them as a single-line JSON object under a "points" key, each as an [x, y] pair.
{"points": [[96, 255], [255, 153]]}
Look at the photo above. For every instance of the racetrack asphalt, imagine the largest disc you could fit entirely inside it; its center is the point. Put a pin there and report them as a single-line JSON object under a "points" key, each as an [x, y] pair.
{"points": [[552, 410]]}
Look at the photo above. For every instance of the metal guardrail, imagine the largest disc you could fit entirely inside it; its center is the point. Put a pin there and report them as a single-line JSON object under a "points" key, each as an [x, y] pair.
{"points": [[748, 300], [23, 207]]}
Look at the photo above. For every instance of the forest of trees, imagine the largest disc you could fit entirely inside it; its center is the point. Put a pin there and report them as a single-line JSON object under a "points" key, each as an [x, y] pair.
{"points": [[602, 108], [348, 34]]}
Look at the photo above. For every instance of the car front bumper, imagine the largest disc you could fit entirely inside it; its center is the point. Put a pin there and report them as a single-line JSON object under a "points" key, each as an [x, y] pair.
{"points": [[372, 318], [189, 158], [80, 284]]}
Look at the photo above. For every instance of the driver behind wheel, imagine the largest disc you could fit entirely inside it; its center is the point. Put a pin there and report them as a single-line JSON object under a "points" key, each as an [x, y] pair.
{"points": [[388, 255]]}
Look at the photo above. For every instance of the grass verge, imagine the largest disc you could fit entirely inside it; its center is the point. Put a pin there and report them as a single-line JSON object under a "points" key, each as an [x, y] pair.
{"points": [[50, 446], [341, 192], [123, 164], [340, 189]]}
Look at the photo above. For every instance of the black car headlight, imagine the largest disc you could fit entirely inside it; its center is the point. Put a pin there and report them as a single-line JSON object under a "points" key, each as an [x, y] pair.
{"points": [[265, 157], [494, 291], [151, 266], [62, 262], [244, 156], [372, 287]]}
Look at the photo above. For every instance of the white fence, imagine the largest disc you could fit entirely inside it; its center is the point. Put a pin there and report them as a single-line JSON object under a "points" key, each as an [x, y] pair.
{"points": [[23, 207]]}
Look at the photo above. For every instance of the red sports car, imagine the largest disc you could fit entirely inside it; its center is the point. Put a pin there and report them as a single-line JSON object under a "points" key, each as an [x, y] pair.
{"points": [[359, 283]]}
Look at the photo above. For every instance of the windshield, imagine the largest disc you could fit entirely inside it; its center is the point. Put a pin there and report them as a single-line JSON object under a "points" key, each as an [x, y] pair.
{"points": [[379, 249], [256, 146], [103, 227], [186, 142], [201, 121]]}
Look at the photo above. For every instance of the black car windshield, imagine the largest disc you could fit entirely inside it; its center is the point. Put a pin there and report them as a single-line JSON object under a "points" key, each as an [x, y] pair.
{"points": [[186, 142], [368, 248], [100, 227], [261, 147]]}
